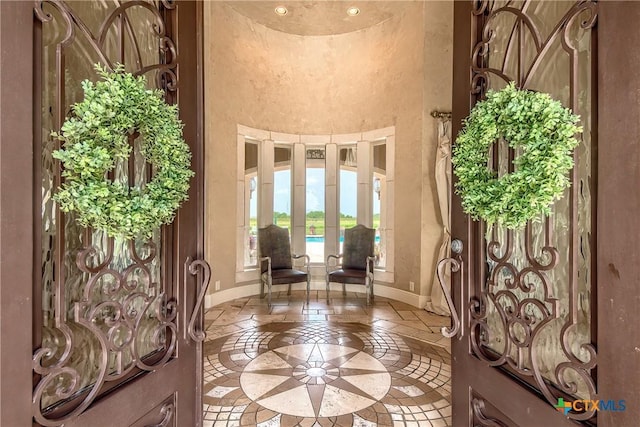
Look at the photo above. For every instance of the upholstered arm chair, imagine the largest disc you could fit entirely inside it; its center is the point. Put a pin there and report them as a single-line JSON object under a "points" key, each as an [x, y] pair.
{"points": [[357, 261], [276, 261]]}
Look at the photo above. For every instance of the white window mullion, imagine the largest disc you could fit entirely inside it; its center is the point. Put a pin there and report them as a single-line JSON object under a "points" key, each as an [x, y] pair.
{"points": [[242, 207], [331, 223], [298, 211], [265, 182], [365, 168], [389, 203]]}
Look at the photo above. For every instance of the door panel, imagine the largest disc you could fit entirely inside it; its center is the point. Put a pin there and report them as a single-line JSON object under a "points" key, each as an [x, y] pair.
{"points": [[16, 211], [112, 316], [525, 296], [543, 272], [618, 222]]}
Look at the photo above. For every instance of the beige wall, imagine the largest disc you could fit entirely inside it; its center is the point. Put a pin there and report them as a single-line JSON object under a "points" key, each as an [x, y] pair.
{"points": [[373, 78], [438, 84]]}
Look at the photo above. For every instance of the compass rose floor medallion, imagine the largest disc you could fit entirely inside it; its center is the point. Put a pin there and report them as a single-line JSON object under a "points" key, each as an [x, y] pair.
{"points": [[321, 374]]}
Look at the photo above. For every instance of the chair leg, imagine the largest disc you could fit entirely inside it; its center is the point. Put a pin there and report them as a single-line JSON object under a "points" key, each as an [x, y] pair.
{"points": [[308, 288], [261, 286], [326, 279], [367, 289], [372, 294], [344, 289], [289, 290], [269, 283]]}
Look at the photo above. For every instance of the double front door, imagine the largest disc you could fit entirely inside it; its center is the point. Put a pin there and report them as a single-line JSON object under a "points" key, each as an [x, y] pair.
{"points": [[547, 315]]}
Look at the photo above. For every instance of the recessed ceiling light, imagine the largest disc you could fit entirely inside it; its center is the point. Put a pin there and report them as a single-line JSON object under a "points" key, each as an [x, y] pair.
{"points": [[281, 10], [353, 11]]}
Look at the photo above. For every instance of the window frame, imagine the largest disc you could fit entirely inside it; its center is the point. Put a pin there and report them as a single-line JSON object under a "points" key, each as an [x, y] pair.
{"points": [[267, 141]]}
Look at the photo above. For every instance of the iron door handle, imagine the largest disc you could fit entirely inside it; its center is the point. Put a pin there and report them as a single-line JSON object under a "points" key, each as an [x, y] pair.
{"points": [[196, 332], [167, 412], [456, 265]]}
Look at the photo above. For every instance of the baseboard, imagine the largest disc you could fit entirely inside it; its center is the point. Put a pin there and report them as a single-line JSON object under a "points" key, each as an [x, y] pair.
{"points": [[233, 293], [253, 289], [400, 295]]}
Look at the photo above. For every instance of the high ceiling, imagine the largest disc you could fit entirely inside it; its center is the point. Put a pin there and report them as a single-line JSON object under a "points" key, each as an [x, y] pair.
{"points": [[316, 18]]}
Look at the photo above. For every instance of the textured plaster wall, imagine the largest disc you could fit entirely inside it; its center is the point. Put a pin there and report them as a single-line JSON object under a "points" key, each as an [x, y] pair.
{"points": [[438, 84], [373, 78]]}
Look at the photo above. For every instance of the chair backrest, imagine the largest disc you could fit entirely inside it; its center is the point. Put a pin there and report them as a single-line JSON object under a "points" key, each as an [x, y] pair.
{"points": [[274, 242], [358, 245]]}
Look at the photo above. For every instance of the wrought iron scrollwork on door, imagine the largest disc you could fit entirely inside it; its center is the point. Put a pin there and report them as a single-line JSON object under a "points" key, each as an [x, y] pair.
{"points": [[74, 26], [107, 310], [117, 311], [530, 313]]}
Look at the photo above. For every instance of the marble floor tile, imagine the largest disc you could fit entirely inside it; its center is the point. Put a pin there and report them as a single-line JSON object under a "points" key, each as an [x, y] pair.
{"points": [[265, 318], [382, 312], [339, 364], [254, 309], [348, 309], [286, 309], [407, 315], [305, 317]]}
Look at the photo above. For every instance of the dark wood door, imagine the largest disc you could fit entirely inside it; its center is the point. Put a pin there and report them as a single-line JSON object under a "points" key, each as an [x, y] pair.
{"points": [[536, 307], [116, 339]]}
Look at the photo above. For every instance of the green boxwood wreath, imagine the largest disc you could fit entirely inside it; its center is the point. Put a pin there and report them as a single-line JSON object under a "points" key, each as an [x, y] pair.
{"points": [[98, 134], [532, 123]]}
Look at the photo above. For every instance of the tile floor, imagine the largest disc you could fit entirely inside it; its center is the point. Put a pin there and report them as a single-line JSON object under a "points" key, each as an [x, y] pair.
{"points": [[338, 364]]}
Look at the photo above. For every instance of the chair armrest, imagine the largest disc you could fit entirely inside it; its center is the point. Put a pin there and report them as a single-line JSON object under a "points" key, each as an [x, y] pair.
{"points": [[307, 260], [328, 265], [268, 260]]}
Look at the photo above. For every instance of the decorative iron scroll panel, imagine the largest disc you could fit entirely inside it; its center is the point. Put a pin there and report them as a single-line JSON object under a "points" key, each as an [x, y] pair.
{"points": [[531, 310], [107, 311]]}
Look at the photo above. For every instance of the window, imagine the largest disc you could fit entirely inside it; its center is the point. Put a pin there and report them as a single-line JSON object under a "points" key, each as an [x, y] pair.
{"points": [[379, 199], [315, 204], [251, 204], [348, 203], [316, 186], [282, 187]]}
